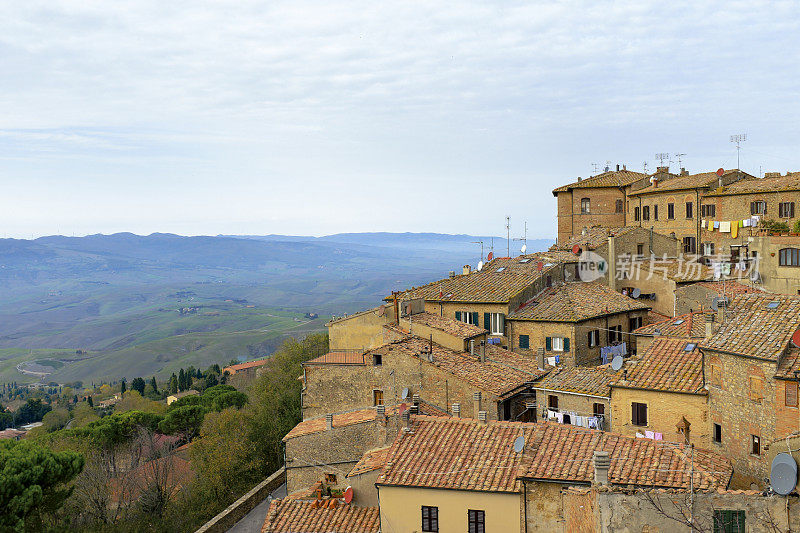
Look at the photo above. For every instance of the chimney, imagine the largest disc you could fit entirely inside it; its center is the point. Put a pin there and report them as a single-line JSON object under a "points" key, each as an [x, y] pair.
{"points": [[579, 178], [483, 351], [684, 172], [476, 401], [329, 422], [540, 358], [709, 326], [472, 347], [452, 273], [602, 463], [407, 421], [483, 417], [457, 410], [617, 167], [655, 181], [415, 399], [624, 167], [414, 409], [720, 314], [381, 410], [466, 269]]}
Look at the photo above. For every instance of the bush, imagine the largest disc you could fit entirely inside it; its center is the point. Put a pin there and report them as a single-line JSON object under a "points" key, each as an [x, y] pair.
{"points": [[796, 227]]}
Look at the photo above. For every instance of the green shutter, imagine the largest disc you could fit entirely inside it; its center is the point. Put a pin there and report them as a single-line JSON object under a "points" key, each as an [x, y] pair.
{"points": [[566, 344], [487, 322], [475, 318], [548, 344], [458, 315], [524, 341]]}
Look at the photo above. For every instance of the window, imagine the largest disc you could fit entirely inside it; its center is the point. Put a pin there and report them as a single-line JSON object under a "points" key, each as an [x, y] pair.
{"points": [[689, 245], [430, 518], [598, 409], [708, 248], [634, 323], [689, 210], [789, 257], [524, 342], [496, 325], [552, 402], [584, 206], [549, 281], [377, 359], [708, 210], [638, 414], [758, 207], [786, 209], [377, 397], [790, 398], [756, 388], [729, 521], [636, 214], [614, 334], [640, 249], [330, 478], [594, 338], [718, 433], [655, 212], [618, 206], [646, 212], [671, 211], [476, 521], [467, 317], [755, 444], [556, 344]]}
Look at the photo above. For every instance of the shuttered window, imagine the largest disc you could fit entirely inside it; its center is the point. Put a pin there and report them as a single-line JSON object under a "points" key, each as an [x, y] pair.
{"points": [[789, 257], [476, 521], [594, 338], [524, 342], [636, 214], [791, 393], [430, 519], [497, 323], [689, 210], [758, 208], [670, 211], [638, 414], [786, 209]]}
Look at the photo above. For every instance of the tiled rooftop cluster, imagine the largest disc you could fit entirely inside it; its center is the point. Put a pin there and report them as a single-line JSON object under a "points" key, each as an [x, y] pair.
{"points": [[576, 301], [291, 516], [688, 325], [668, 364]]}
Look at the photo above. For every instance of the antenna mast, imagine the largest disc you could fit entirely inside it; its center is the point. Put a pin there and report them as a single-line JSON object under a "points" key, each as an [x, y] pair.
{"points": [[679, 156], [481, 243], [508, 236], [738, 139], [524, 239], [594, 169], [661, 156]]}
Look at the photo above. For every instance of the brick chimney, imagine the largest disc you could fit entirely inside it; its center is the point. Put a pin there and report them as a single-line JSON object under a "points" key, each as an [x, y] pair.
{"points": [[709, 326], [457, 410], [452, 274], [476, 401], [466, 269], [329, 422], [407, 421], [684, 172], [602, 463], [483, 351], [483, 417], [540, 358]]}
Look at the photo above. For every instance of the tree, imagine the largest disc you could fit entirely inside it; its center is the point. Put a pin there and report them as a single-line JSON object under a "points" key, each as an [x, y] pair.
{"points": [[32, 411], [154, 385], [173, 384], [83, 414], [184, 421], [90, 401], [55, 420], [138, 385], [133, 401], [32, 482], [182, 380], [123, 386]]}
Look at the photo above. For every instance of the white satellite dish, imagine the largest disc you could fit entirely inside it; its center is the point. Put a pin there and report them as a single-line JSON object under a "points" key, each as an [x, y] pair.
{"points": [[519, 443], [480, 265], [783, 474], [616, 363], [637, 292], [405, 393], [524, 248]]}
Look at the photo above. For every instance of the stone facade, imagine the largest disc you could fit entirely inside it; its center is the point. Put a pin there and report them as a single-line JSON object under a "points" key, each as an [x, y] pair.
{"points": [[603, 210], [581, 404], [360, 331], [774, 277]]}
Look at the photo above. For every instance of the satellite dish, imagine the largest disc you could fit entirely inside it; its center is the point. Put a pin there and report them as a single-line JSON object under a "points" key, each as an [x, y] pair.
{"points": [[348, 495], [405, 393], [796, 338], [576, 249], [783, 474], [636, 292], [519, 444], [490, 256], [720, 172], [524, 248], [480, 265], [616, 363]]}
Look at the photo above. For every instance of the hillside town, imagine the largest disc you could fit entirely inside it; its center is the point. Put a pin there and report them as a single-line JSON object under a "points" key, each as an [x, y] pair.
{"points": [[640, 375]]}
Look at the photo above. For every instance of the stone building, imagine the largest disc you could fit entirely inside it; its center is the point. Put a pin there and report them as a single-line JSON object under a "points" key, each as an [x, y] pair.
{"points": [[363, 476], [627, 240], [778, 262], [661, 394], [595, 201], [689, 326], [701, 296], [360, 331], [575, 321], [579, 396], [750, 363], [658, 280]]}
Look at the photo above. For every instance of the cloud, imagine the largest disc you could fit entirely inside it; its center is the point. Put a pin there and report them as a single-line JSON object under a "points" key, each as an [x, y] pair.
{"points": [[474, 109]]}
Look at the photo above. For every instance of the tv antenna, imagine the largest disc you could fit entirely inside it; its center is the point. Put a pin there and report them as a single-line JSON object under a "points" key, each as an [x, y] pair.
{"points": [[644, 165], [679, 156], [524, 239], [508, 236], [594, 169], [608, 166], [738, 139], [481, 243], [661, 156]]}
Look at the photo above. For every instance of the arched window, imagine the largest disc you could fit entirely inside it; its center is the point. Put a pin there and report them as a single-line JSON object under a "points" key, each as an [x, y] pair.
{"points": [[789, 257]]}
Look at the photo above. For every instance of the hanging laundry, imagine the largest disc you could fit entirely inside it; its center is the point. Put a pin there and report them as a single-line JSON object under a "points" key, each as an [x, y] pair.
{"points": [[639, 435], [734, 229], [716, 224], [577, 421], [592, 422], [560, 418], [741, 223], [551, 361], [659, 436], [746, 223], [725, 227], [551, 414], [649, 434]]}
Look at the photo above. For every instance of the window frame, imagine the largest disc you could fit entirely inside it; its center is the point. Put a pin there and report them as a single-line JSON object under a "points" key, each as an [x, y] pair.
{"points": [[790, 385], [557, 344], [635, 322], [729, 521], [646, 212], [476, 521], [637, 408], [552, 402], [614, 334], [689, 245], [637, 214], [755, 445], [377, 359], [527, 341], [789, 257], [598, 409], [619, 206], [670, 211], [758, 207], [640, 249], [786, 210], [708, 248], [586, 206], [689, 209], [593, 338], [708, 210], [432, 524], [377, 394], [497, 324], [716, 430]]}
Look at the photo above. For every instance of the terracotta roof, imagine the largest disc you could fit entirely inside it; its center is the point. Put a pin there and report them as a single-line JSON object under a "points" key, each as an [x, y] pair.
{"points": [[451, 326], [730, 287], [702, 180], [666, 366], [244, 366], [502, 371], [788, 182], [654, 316], [678, 270], [581, 379], [338, 358], [756, 329], [789, 364], [456, 453], [293, 516], [619, 178], [498, 282], [594, 237], [576, 301], [688, 325], [562, 452], [370, 461]]}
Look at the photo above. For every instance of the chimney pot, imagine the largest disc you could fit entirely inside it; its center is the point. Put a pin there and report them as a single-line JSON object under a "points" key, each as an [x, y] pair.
{"points": [[466, 269], [329, 422], [407, 420], [414, 409], [457, 410], [709, 326], [617, 168], [452, 273], [602, 463], [684, 172], [483, 417], [476, 401]]}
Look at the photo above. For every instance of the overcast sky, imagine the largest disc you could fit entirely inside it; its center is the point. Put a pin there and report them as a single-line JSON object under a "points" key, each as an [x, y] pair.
{"points": [[323, 117]]}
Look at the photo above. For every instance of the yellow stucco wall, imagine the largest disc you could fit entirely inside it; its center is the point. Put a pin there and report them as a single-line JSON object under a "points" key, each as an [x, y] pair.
{"points": [[401, 509], [362, 331]]}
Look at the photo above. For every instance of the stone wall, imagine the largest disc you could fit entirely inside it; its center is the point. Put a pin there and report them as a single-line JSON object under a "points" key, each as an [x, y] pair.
{"points": [[361, 331], [602, 210], [583, 405], [681, 225]]}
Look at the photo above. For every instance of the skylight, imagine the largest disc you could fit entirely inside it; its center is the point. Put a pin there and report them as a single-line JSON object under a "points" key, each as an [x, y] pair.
{"points": [[526, 260], [773, 305], [500, 269], [690, 347], [677, 322]]}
